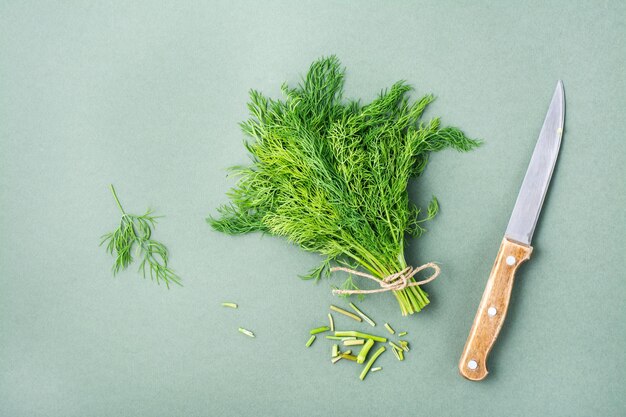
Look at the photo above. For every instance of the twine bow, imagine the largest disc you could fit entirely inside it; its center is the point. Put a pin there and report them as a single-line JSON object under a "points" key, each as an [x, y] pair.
{"points": [[394, 282]]}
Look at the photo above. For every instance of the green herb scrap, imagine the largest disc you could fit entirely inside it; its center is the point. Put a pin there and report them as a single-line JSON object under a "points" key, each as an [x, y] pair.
{"points": [[331, 175], [134, 235]]}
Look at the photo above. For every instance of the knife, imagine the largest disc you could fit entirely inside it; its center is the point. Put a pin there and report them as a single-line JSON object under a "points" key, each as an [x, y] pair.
{"points": [[515, 247]]}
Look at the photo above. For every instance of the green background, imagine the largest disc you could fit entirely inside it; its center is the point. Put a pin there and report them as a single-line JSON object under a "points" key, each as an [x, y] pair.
{"points": [[148, 95]]}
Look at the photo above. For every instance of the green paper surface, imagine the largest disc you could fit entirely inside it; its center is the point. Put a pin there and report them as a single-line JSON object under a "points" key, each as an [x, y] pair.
{"points": [[147, 96]]}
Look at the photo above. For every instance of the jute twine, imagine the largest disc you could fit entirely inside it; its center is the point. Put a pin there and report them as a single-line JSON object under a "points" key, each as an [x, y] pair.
{"points": [[394, 282]]}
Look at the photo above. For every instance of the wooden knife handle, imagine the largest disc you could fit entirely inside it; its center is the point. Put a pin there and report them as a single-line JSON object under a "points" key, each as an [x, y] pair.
{"points": [[492, 309]]}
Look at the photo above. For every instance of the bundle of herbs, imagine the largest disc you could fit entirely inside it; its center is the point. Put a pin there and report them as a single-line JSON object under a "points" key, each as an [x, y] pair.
{"points": [[331, 175]]}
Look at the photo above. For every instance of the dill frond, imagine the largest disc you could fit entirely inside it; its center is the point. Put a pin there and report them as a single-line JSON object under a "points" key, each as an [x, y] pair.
{"points": [[331, 175], [133, 237]]}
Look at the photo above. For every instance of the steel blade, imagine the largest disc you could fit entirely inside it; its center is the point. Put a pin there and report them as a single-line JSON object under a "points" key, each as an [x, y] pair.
{"points": [[533, 191]]}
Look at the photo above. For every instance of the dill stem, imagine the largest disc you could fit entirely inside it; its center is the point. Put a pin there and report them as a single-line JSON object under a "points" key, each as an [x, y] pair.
{"points": [[117, 200], [364, 351], [366, 265], [371, 258], [352, 333], [371, 362], [319, 330]]}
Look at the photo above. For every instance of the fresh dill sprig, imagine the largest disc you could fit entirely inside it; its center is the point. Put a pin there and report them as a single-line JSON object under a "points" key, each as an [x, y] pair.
{"points": [[133, 237], [331, 175]]}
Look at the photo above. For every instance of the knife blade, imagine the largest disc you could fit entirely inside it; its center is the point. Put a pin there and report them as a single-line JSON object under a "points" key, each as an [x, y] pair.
{"points": [[533, 191], [515, 247]]}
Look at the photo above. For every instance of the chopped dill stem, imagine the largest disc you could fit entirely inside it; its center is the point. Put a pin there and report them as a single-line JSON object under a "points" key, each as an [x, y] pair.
{"points": [[311, 340], [246, 332], [345, 313], [351, 333], [364, 351], [371, 362], [363, 316], [229, 305], [321, 329]]}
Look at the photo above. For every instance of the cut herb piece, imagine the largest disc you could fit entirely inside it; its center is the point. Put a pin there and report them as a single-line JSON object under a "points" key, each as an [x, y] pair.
{"points": [[331, 322], [331, 175], [348, 357], [135, 233], [345, 313], [402, 334], [352, 333], [311, 340], [364, 351], [246, 332], [394, 345], [230, 305], [319, 330], [388, 327], [354, 342], [335, 351], [341, 337], [376, 369], [360, 313], [371, 362], [395, 353], [336, 359]]}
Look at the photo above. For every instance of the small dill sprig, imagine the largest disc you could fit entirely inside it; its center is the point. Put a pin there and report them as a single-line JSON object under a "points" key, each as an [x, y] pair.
{"points": [[133, 237]]}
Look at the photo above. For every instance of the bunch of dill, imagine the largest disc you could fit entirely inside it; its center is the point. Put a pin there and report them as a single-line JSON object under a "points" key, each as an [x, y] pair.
{"points": [[331, 175]]}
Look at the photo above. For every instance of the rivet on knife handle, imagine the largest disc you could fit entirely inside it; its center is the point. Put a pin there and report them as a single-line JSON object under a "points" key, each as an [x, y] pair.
{"points": [[492, 309]]}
